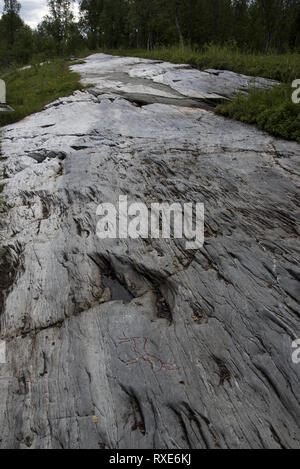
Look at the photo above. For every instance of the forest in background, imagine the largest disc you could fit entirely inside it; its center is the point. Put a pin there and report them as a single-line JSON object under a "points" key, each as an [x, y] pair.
{"points": [[252, 37], [251, 26]]}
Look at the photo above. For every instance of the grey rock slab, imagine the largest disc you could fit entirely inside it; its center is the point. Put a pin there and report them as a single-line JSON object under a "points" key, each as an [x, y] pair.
{"points": [[198, 84], [140, 343], [134, 75]]}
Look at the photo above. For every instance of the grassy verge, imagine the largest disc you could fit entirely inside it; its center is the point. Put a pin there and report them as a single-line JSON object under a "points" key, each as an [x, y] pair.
{"points": [[28, 91], [272, 111], [285, 68]]}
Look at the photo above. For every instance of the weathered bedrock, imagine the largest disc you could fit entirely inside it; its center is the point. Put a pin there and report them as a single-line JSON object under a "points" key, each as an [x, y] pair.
{"points": [[141, 343]]}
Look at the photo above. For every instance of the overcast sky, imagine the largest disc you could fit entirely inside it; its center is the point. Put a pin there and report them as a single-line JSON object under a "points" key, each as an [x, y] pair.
{"points": [[32, 11]]}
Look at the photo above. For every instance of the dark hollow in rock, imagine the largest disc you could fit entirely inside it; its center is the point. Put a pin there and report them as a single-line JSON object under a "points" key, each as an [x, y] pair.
{"points": [[118, 291], [41, 156], [118, 288]]}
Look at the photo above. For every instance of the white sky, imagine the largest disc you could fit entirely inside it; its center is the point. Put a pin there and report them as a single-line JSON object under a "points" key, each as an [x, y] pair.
{"points": [[32, 11]]}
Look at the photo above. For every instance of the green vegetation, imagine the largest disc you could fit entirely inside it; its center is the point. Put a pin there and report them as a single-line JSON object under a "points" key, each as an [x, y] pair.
{"points": [[281, 67], [253, 26], [30, 90], [272, 111], [58, 35], [252, 37]]}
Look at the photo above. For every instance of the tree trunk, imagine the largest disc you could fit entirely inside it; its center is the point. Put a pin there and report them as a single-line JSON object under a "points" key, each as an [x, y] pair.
{"points": [[179, 31]]}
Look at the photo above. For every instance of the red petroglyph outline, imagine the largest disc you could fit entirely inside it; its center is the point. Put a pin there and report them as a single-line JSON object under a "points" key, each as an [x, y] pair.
{"points": [[144, 356]]}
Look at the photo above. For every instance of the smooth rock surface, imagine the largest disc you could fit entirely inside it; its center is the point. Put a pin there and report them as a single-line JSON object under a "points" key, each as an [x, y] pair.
{"points": [[168, 348], [128, 75]]}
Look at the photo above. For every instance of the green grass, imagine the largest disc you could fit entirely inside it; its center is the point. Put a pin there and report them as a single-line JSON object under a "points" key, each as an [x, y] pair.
{"points": [[285, 68], [272, 111], [28, 91]]}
